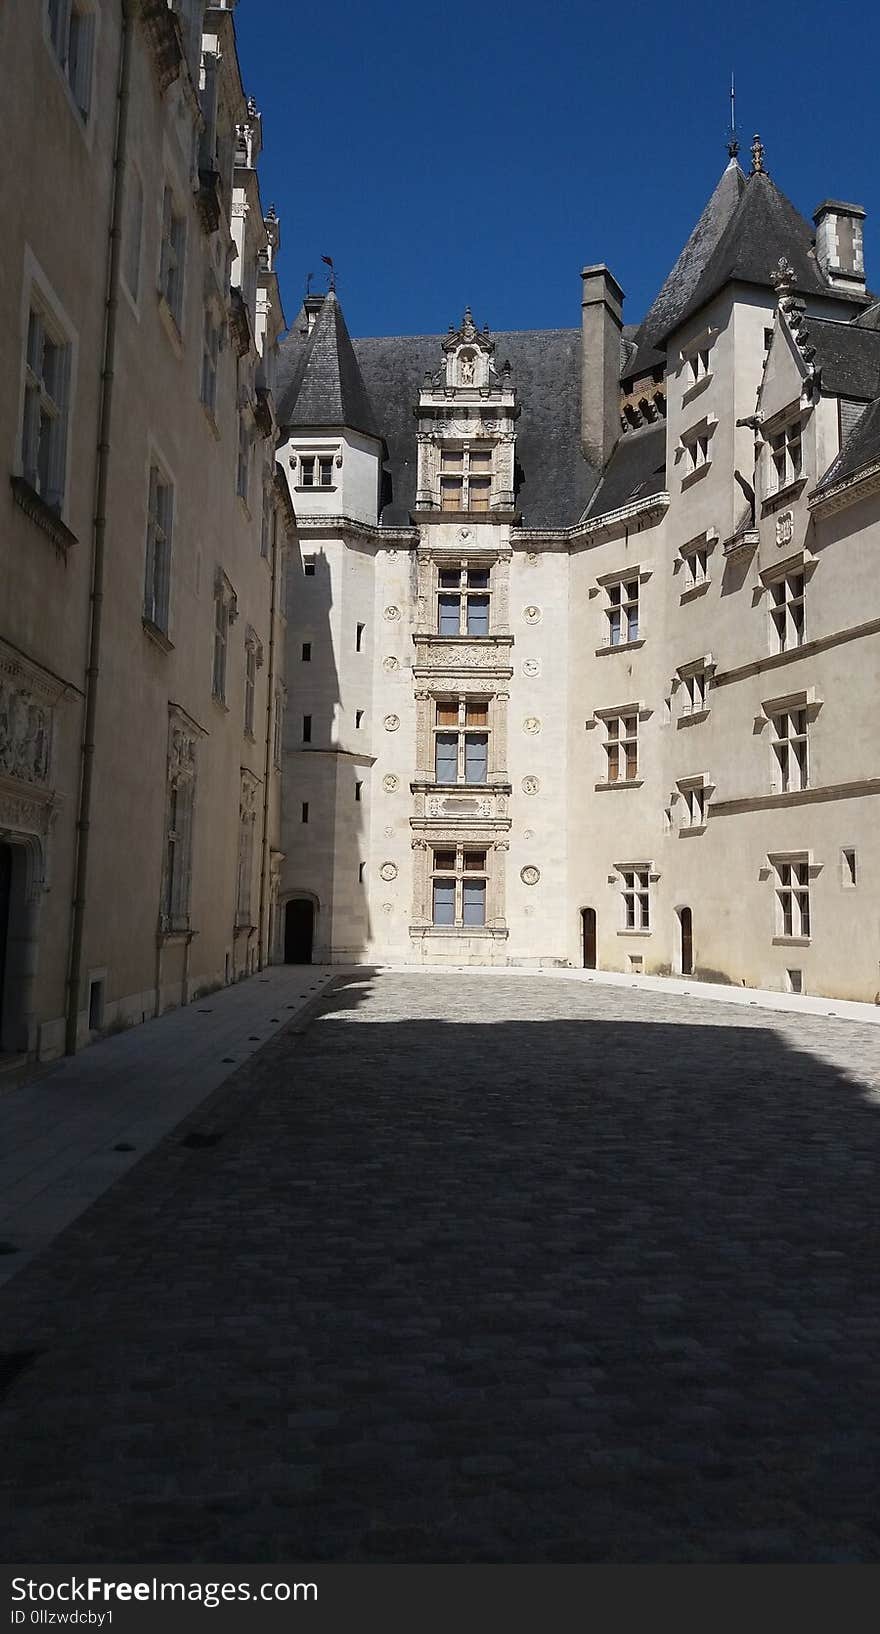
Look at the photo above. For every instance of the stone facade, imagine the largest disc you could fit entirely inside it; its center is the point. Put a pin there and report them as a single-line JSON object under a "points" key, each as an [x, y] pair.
{"points": [[138, 435], [645, 739]]}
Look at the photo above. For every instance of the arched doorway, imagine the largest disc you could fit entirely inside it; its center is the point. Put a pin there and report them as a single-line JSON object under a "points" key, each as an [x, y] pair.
{"points": [[686, 941], [588, 937], [299, 931]]}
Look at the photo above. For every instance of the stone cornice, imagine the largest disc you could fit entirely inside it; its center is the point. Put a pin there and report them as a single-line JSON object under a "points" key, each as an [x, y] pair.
{"points": [[653, 508], [362, 530], [861, 485]]}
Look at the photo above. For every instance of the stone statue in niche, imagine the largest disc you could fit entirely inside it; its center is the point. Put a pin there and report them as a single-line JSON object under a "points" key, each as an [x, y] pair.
{"points": [[467, 368], [25, 731]]}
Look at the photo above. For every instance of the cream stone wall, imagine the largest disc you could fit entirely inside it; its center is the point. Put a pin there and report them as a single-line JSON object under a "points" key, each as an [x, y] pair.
{"points": [[144, 678]]}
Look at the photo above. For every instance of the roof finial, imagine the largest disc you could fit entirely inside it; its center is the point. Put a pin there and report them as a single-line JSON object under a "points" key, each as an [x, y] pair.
{"points": [[783, 278], [733, 144], [757, 157]]}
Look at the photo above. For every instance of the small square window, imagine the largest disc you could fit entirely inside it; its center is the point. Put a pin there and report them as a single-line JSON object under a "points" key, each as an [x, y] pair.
{"points": [[795, 981], [309, 566]]}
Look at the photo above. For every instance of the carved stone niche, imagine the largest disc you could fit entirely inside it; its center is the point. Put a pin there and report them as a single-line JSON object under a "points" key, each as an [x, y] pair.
{"points": [[27, 697]]}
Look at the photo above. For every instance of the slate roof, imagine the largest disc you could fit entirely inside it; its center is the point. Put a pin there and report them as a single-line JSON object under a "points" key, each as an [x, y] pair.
{"points": [[849, 357], [744, 229], [862, 448], [636, 469], [319, 381], [554, 481]]}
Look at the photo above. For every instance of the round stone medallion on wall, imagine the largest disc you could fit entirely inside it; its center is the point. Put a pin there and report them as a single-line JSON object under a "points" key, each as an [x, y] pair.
{"points": [[532, 558], [531, 785], [530, 875], [528, 833], [387, 907], [532, 615], [531, 666], [388, 870], [390, 783], [389, 833], [392, 722], [391, 613], [531, 724], [390, 664]]}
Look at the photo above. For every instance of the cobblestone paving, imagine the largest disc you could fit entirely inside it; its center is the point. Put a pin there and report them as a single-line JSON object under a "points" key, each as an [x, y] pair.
{"points": [[480, 1268]]}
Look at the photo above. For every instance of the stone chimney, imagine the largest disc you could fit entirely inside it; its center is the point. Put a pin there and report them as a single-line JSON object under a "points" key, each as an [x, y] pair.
{"points": [[840, 244], [602, 321]]}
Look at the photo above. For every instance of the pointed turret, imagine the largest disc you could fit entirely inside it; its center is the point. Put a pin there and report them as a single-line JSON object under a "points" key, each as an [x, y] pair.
{"points": [[321, 385]]}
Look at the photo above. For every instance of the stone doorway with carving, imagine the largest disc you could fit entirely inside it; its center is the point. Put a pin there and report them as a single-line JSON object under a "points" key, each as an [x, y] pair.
{"points": [[20, 892]]}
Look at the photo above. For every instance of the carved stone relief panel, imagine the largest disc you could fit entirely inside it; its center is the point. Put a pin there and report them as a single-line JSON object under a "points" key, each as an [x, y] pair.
{"points": [[25, 733]]}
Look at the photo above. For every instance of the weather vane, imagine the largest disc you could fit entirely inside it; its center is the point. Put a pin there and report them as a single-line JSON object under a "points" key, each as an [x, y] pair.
{"points": [[328, 261]]}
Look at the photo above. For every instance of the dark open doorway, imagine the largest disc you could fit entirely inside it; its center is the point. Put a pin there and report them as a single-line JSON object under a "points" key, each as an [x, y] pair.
{"points": [[5, 906], [686, 922], [588, 924], [299, 931]]}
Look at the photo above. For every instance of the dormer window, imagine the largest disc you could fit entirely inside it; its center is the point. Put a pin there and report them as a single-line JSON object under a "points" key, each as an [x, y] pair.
{"points": [[465, 479], [316, 471]]}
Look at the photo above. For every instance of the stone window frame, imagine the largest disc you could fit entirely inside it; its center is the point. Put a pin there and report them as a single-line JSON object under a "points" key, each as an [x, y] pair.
{"points": [[693, 793], [634, 880], [782, 472], [70, 29], [253, 661], [432, 559], [462, 480], [40, 301], [175, 907], [792, 873], [695, 362], [463, 730], [785, 587], [694, 681], [225, 614], [790, 719], [473, 837], [694, 564], [617, 740], [247, 822], [132, 259], [320, 459], [695, 449], [161, 511], [460, 875], [464, 594]]}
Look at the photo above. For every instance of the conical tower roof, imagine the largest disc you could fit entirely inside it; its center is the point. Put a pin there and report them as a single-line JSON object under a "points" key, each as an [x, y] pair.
{"points": [[320, 382]]}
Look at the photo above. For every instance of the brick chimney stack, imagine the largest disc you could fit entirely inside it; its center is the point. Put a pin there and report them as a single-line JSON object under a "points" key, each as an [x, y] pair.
{"points": [[602, 322], [840, 244]]}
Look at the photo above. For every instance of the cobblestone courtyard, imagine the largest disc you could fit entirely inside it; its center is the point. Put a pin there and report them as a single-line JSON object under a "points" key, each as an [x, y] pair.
{"points": [[475, 1268]]}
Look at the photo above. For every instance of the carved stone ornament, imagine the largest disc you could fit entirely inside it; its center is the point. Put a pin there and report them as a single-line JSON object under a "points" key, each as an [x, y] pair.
{"points": [[529, 910], [391, 613], [531, 724], [25, 733], [387, 907], [530, 875], [388, 871], [531, 666], [533, 558], [532, 615], [389, 833], [784, 527], [531, 785], [464, 533], [528, 833], [390, 783], [390, 664], [392, 722]]}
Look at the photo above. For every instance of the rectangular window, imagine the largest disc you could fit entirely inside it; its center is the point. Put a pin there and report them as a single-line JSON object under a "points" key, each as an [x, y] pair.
{"points": [[790, 749], [278, 728], [307, 729], [72, 32], [465, 479], [305, 811], [787, 606], [458, 886], [358, 719], [793, 897], [461, 741], [210, 360], [695, 690], [133, 233], [307, 652], [309, 566], [358, 790], [622, 611], [46, 406], [243, 470], [222, 621], [695, 563], [696, 451], [325, 471], [157, 574], [362, 868], [636, 896], [250, 687], [247, 824], [622, 747], [694, 800], [698, 365], [268, 524], [306, 471], [171, 265], [463, 601], [359, 638], [786, 455], [848, 867]]}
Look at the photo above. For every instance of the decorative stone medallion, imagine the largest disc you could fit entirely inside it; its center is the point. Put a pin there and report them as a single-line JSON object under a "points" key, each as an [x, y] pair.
{"points": [[532, 614], [392, 722], [390, 783], [387, 907], [464, 533], [531, 724], [390, 664], [529, 910], [531, 785], [531, 666], [532, 558], [388, 871], [528, 833], [389, 833], [391, 613], [784, 527], [530, 875]]}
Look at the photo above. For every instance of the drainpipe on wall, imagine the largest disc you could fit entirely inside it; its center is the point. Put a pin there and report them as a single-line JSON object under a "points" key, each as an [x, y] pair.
{"points": [[264, 952], [99, 531]]}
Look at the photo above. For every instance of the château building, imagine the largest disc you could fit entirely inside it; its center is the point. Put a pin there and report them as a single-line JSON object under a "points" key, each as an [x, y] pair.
{"points": [[143, 520], [584, 648]]}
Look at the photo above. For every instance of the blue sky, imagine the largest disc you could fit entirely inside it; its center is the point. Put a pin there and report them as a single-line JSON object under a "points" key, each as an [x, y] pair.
{"points": [[484, 154]]}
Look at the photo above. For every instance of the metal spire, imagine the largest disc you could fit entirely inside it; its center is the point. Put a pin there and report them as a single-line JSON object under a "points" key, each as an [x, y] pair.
{"points": [[733, 144]]}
